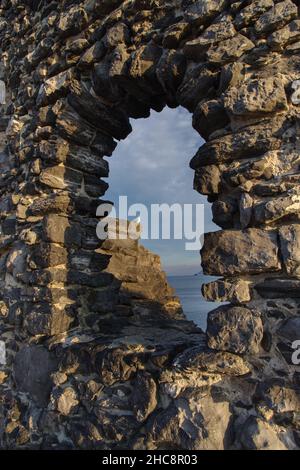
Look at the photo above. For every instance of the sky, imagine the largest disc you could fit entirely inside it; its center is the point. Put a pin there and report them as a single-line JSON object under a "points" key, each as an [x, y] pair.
{"points": [[152, 167]]}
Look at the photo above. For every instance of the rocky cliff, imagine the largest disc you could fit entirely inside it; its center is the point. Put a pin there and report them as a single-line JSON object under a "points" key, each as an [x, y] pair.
{"points": [[89, 358]]}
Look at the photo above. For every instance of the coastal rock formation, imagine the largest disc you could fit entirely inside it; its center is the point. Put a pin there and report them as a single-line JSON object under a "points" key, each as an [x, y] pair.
{"points": [[95, 352]]}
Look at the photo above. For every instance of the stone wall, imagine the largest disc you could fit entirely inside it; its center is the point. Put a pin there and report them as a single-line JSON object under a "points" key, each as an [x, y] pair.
{"points": [[93, 360]]}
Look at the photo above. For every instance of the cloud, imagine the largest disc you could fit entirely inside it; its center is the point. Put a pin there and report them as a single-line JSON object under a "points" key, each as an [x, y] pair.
{"points": [[152, 166]]}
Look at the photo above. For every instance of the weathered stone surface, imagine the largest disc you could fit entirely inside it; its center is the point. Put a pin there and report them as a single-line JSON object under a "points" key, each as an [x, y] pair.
{"points": [[256, 434], [170, 71], [72, 21], [112, 121], [290, 329], [62, 177], [207, 180], [202, 10], [250, 142], [234, 329], [58, 229], [278, 397], [43, 320], [259, 96], [232, 290], [285, 36], [229, 50], [117, 34], [197, 82], [278, 288], [277, 208], [65, 400], [174, 34], [143, 398], [3, 377], [208, 432], [219, 31], [295, 98], [32, 369], [209, 361], [127, 370], [252, 12], [209, 117], [276, 17], [54, 88], [289, 241], [115, 365], [240, 252], [2, 353], [143, 66], [92, 55], [72, 127]]}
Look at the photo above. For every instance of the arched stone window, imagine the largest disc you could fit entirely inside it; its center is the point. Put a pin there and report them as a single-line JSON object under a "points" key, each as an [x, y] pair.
{"points": [[77, 345]]}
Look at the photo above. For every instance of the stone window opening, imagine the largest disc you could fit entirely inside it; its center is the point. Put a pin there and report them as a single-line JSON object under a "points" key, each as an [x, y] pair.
{"points": [[79, 341]]}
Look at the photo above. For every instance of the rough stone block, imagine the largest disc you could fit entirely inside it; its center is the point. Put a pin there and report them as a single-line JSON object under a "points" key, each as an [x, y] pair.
{"points": [[210, 116], [238, 330], [60, 230], [233, 252], [62, 177], [111, 120], [48, 320], [32, 368], [229, 290], [196, 84], [204, 360], [285, 36], [207, 180], [73, 156], [229, 50], [201, 11], [257, 97], [47, 254], [276, 17], [290, 248], [252, 12], [258, 434], [278, 288], [247, 143]]}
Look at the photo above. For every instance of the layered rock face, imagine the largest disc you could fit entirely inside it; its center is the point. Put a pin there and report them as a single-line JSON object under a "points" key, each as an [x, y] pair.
{"points": [[94, 350]]}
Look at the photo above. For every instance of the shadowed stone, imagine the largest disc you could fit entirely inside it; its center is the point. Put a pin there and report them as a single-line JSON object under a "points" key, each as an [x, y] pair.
{"points": [[32, 369]]}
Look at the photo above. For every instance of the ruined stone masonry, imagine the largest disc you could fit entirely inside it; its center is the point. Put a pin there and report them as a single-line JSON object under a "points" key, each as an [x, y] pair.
{"points": [[95, 352]]}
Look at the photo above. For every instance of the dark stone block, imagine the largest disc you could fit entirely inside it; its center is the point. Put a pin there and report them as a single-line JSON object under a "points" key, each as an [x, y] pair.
{"points": [[32, 370]]}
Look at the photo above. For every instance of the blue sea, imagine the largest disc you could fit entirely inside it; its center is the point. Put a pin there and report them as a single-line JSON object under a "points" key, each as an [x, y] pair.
{"points": [[188, 289]]}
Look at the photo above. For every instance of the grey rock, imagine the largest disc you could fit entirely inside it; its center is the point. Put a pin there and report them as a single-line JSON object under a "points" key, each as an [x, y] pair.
{"points": [[232, 252], [289, 241], [144, 396], [256, 434], [203, 360], [32, 369], [290, 329], [234, 329], [229, 290], [259, 96], [229, 50], [250, 13], [202, 10], [276, 17]]}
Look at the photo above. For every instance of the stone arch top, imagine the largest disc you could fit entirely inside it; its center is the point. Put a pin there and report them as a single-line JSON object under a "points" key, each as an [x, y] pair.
{"points": [[75, 73]]}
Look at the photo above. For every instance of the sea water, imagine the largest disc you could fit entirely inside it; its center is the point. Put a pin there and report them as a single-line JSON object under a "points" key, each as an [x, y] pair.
{"points": [[188, 289]]}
